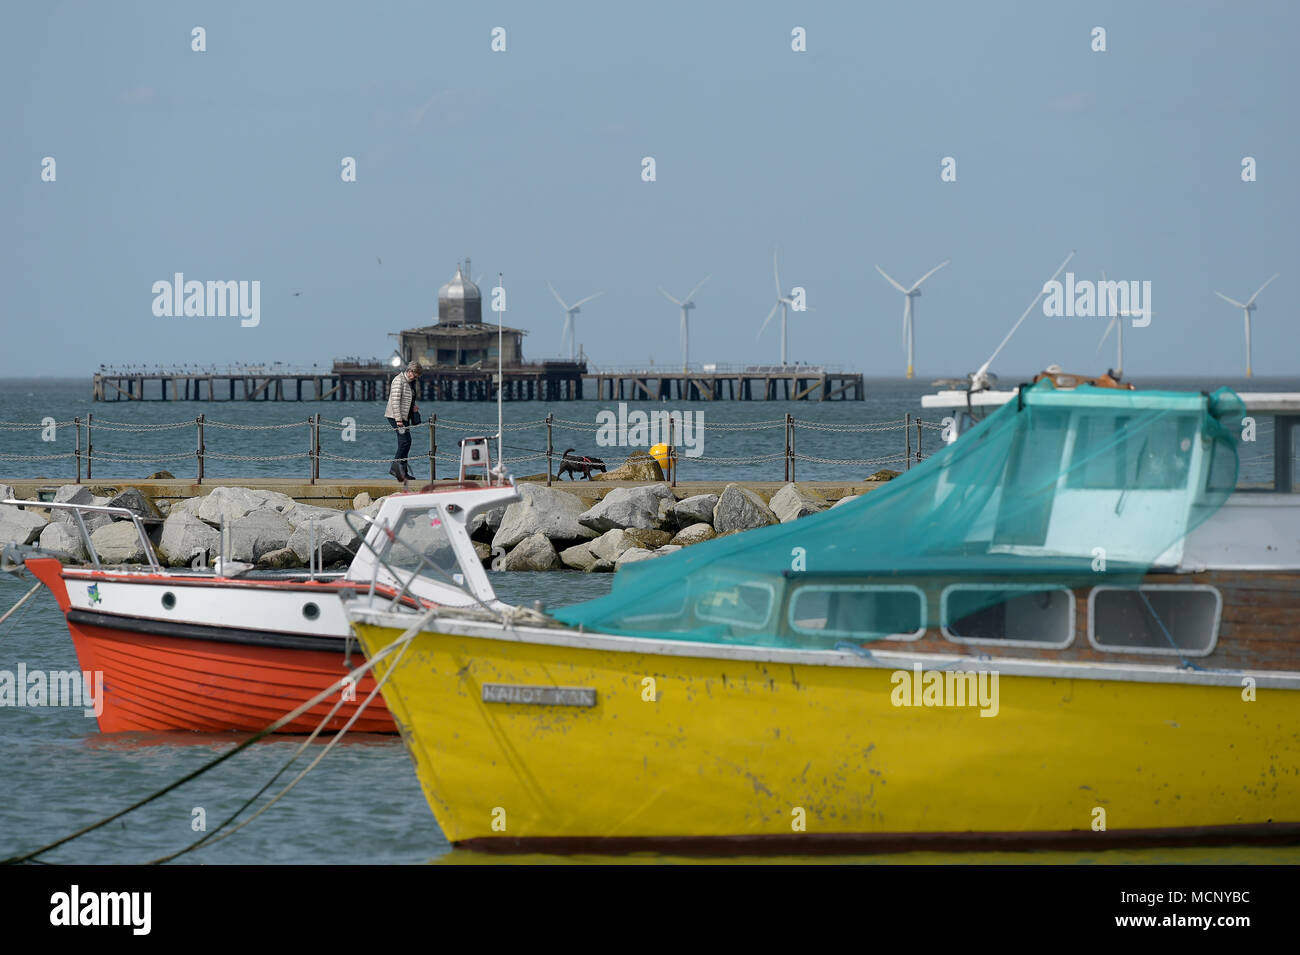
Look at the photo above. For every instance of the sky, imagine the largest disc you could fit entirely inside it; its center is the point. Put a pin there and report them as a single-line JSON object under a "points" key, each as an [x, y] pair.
{"points": [[225, 165]]}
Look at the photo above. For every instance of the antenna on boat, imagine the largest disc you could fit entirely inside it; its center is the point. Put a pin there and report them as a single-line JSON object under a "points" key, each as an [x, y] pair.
{"points": [[1116, 322], [980, 380], [501, 383]]}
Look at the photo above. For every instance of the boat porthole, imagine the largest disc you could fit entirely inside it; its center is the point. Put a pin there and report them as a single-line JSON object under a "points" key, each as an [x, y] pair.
{"points": [[310, 611], [168, 600]]}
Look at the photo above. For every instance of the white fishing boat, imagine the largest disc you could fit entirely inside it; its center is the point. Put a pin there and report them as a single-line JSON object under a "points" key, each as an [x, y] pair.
{"points": [[227, 648]]}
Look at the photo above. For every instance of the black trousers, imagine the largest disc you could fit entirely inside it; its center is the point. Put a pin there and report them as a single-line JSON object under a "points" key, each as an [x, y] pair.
{"points": [[403, 446]]}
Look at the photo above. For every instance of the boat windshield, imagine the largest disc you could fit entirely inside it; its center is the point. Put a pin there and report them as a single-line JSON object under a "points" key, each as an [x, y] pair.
{"points": [[420, 536], [1055, 490]]}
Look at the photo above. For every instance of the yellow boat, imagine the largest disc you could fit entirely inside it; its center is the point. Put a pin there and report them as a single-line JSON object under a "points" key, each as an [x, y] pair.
{"points": [[1034, 703], [545, 739]]}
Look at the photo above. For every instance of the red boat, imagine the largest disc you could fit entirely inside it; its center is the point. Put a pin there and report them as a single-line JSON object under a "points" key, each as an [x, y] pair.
{"points": [[221, 650]]}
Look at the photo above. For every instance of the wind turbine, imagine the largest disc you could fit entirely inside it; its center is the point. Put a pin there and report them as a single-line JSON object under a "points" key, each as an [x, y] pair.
{"points": [[569, 312], [783, 302], [1247, 307], [908, 295], [686, 305]]}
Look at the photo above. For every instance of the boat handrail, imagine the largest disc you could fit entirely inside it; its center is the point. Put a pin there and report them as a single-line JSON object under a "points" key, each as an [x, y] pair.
{"points": [[77, 509]]}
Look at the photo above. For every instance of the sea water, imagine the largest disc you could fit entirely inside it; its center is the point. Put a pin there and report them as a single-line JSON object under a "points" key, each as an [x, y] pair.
{"points": [[740, 440], [362, 804]]}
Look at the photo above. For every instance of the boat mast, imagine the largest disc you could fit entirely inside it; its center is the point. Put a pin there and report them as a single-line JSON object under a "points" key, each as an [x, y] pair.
{"points": [[501, 381]]}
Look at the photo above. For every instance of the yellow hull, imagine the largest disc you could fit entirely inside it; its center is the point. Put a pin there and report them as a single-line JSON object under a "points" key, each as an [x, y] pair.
{"points": [[709, 747]]}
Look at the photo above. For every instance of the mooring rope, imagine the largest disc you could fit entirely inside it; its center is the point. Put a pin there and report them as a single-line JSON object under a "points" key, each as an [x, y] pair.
{"points": [[320, 697], [21, 600], [208, 839]]}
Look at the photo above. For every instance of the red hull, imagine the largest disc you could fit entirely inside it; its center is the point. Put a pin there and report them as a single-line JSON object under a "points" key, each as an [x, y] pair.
{"points": [[165, 683], [154, 682]]}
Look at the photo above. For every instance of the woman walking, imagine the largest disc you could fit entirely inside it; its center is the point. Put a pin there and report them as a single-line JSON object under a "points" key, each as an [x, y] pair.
{"points": [[401, 407]]}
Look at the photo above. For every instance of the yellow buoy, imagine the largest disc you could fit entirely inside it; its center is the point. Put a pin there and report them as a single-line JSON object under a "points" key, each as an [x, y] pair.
{"points": [[660, 453]]}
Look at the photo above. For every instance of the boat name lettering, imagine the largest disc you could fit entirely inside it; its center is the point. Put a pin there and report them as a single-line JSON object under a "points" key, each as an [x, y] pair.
{"points": [[539, 695]]}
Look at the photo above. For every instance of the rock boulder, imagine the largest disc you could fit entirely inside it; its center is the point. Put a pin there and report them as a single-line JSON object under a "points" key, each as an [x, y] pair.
{"points": [[610, 545], [485, 524], [694, 534], [185, 537], [542, 510], [77, 494], [189, 505], [118, 543], [258, 533], [740, 509], [626, 507], [638, 467], [228, 504], [535, 552], [20, 526], [579, 556], [64, 543], [299, 515], [133, 500], [634, 554], [794, 501], [695, 510], [335, 541], [640, 537], [282, 559]]}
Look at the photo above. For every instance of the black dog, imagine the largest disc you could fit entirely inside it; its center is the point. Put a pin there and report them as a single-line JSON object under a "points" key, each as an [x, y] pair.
{"points": [[572, 464]]}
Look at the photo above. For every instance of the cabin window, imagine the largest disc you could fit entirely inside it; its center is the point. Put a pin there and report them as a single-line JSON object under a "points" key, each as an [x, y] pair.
{"points": [[1223, 471], [1012, 615], [1108, 456], [422, 535], [1029, 483], [1180, 619], [858, 612], [673, 607], [740, 605]]}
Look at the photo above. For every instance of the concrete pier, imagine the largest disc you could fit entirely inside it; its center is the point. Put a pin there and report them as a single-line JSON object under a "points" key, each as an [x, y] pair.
{"points": [[541, 381]]}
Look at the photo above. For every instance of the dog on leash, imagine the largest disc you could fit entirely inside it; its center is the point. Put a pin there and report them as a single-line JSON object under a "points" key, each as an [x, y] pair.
{"points": [[574, 464]]}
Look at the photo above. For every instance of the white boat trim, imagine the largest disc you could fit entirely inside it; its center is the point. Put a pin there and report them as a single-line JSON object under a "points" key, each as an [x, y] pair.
{"points": [[1256, 402], [868, 659]]}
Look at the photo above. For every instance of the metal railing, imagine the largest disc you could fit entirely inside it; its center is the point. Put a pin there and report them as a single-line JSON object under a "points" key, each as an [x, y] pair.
{"points": [[84, 455], [205, 371], [77, 510]]}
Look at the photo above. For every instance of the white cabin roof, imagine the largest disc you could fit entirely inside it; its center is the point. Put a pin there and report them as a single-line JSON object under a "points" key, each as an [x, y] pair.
{"points": [[1257, 402]]}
